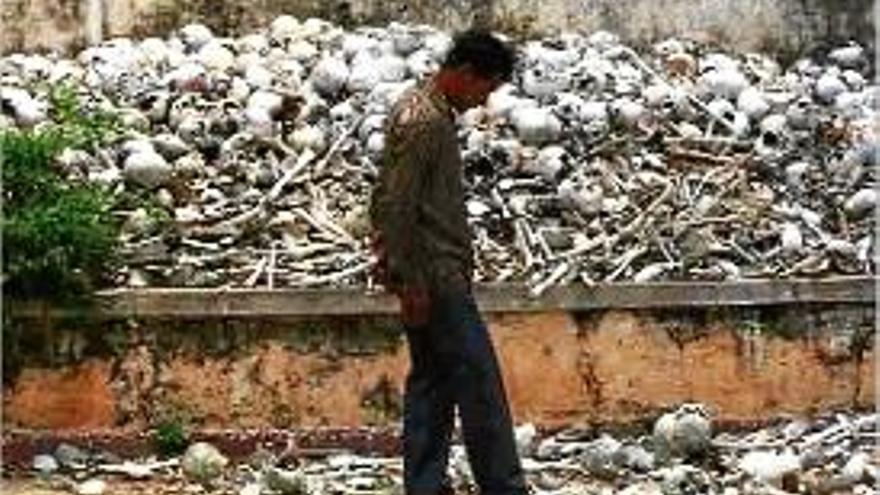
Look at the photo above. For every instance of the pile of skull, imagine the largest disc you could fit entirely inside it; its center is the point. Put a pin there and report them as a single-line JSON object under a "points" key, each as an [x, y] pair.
{"points": [[596, 164]]}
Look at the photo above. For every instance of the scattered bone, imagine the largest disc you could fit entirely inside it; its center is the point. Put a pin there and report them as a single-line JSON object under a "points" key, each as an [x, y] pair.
{"points": [[683, 453], [601, 164]]}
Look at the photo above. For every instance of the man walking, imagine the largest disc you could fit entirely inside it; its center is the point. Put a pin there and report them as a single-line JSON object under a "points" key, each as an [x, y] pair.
{"points": [[425, 257]]}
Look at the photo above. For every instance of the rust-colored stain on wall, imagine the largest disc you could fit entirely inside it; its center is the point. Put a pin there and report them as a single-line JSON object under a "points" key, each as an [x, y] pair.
{"points": [[539, 356], [739, 377], [278, 387], [558, 369], [75, 397]]}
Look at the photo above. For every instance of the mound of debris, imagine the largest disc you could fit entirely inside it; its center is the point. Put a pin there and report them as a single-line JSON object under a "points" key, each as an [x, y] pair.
{"points": [[599, 164], [831, 454]]}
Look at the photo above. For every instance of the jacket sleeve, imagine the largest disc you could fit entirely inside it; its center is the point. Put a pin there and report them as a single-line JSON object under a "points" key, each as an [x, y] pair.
{"points": [[411, 152]]}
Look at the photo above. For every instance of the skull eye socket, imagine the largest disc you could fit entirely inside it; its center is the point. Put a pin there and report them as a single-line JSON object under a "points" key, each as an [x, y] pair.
{"points": [[147, 102], [770, 138]]}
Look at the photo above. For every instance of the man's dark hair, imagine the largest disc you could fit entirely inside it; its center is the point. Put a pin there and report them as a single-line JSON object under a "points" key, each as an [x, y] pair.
{"points": [[483, 52]]}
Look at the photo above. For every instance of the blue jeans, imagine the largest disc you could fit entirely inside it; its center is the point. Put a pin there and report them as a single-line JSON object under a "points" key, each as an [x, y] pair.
{"points": [[453, 363]]}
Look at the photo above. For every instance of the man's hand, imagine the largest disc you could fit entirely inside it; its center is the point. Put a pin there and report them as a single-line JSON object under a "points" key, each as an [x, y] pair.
{"points": [[415, 306], [415, 302]]}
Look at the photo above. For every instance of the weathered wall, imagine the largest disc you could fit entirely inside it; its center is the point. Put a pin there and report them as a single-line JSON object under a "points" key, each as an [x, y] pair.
{"points": [[602, 366], [784, 25]]}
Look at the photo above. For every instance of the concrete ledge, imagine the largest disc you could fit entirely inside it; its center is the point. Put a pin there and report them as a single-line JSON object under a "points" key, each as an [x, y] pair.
{"points": [[220, 303]]}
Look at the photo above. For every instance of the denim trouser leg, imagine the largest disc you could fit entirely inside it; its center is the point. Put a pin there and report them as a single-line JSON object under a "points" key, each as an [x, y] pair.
{"points": [[428, 418], [454, 362]]}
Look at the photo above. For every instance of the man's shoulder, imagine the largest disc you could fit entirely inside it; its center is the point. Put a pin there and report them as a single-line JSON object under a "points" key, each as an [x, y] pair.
{"points": [[413, 114]]}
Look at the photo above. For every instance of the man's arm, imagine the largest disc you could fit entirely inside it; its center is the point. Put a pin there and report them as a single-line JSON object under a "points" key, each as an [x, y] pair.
{"points": [[411, 150]]}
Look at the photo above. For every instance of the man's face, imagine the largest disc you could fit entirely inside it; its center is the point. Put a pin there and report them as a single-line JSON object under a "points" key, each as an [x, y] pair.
{"points": [[478, 89]]}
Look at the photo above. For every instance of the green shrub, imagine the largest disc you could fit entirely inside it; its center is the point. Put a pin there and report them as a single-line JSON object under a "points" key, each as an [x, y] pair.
{"points": [[79, 127], [170, 438], [58, 236], [57, 248], [27, 174]]}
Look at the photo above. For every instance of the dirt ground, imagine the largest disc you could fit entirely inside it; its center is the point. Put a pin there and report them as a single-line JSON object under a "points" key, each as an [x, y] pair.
{"points": [[34, 486]]}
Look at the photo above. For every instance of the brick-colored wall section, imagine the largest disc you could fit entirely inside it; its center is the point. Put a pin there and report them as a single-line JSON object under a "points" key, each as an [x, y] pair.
{"points": [[73, 397], [559, 369]]}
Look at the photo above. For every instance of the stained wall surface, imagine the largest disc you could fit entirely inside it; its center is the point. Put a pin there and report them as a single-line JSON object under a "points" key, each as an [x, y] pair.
{"points": [[560, 368]]}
